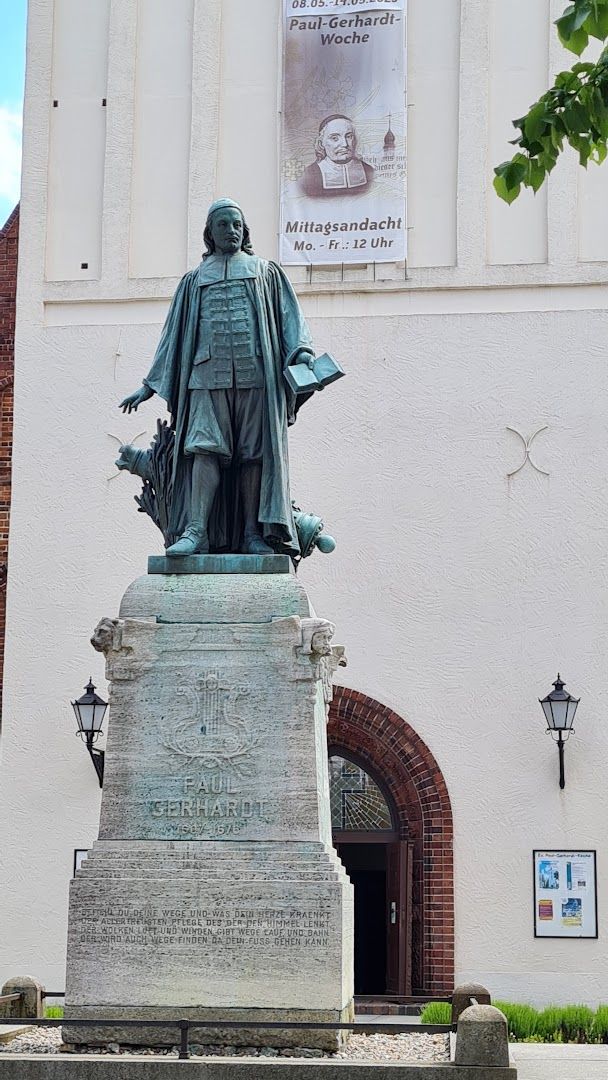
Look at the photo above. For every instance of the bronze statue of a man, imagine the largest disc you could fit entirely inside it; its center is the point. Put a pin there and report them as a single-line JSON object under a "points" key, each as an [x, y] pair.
{"points": [[233, 327]]}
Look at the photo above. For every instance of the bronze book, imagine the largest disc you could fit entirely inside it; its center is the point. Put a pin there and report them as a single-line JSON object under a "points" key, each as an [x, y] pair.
{"points": [[302, 379]]}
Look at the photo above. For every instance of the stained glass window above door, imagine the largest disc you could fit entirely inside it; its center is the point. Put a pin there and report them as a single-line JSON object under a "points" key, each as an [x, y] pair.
{"points": [[357, 804]]}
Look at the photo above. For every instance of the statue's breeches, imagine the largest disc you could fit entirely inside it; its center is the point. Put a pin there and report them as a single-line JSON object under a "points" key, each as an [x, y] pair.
{"points": [[227, 423]]}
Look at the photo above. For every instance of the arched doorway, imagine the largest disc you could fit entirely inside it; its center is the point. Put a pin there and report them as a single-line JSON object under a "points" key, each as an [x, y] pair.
{"points": [[366, 835], [414, 855]]}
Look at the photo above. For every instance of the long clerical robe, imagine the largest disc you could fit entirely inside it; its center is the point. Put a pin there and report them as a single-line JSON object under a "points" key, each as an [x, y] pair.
{"points": [[282, 334]]}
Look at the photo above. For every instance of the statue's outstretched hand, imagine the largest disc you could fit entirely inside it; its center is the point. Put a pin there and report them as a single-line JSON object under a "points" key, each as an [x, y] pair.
{"points": [[133, 401]]}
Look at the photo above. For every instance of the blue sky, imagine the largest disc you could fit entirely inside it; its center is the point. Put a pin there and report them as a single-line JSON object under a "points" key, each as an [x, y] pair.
{"points": [[12, 67]]}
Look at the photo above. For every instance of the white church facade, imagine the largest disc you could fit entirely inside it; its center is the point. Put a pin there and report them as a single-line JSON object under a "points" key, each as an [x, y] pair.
{"points": [[461, 466]]}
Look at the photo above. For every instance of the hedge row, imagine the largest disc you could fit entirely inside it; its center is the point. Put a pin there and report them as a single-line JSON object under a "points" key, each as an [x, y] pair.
{"points": [[556, 1023]]}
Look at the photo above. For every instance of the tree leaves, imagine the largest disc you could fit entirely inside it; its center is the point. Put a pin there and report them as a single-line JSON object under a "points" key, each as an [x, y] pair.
{"points": [[577, 41], [509, 194], [572, 26], [575, 16], [534, 125], [576, 117], [536, 175], [598, 27], [574, 109], [512, 174]]}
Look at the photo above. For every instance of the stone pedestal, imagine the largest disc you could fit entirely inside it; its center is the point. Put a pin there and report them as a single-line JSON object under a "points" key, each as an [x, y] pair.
{"points": [[213, 891]]}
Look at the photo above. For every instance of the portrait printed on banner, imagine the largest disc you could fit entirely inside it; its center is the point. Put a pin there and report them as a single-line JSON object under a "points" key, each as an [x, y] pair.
{"points": [[338, 169]]}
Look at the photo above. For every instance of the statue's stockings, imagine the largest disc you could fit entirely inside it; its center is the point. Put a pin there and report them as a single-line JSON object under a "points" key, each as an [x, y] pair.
{"points": [[205, 482]]}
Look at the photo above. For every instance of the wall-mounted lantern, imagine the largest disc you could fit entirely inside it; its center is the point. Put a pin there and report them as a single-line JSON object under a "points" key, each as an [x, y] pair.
{"points": [[560, 709], [90, 710]]}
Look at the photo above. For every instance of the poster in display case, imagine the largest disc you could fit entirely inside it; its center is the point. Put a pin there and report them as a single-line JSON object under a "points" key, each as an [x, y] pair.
{"points": [[565, 894]]}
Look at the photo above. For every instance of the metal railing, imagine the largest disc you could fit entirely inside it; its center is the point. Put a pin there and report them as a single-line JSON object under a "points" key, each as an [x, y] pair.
{"points": [[184, 1026]]}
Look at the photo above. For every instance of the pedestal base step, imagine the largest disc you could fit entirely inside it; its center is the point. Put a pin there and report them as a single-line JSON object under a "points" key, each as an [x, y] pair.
{"points": [[169, 1034], [210, 930], [132, 860], [81, 1067], [219, 564]]}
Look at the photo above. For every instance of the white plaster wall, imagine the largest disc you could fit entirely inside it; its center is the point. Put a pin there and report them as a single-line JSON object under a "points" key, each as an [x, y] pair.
{"points": [[248, 143], [433, 56], [591, 199], [161, 151], [77, 133], [459, 594], [519, 73]]}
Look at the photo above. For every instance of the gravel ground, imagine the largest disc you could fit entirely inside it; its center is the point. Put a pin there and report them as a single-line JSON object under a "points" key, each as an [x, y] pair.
{"points": [[406, 1048]]}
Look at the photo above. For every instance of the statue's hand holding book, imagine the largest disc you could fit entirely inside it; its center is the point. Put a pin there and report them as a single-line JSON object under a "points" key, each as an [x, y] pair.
{"points": [[302, 378]]}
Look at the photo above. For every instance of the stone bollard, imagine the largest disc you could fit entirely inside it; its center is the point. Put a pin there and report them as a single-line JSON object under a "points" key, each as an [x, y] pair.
{"points": [[461, 998], [29, 1006], [482, 1038]]}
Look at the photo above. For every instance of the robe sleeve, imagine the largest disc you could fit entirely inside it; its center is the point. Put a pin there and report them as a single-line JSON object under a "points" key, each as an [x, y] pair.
{"points": [[294, 331], [164, 374]]}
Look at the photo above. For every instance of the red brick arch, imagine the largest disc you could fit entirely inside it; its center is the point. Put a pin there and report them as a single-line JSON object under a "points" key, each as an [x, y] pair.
{"points": [[392, 750]]}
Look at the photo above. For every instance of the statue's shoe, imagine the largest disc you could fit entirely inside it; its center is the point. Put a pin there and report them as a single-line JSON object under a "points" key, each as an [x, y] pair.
{"points": [[254, 544], [192, 542]]}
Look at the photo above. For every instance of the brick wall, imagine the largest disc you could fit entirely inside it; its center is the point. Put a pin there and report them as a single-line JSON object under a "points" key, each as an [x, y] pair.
{"points": [[386, 744], [9, 239]]}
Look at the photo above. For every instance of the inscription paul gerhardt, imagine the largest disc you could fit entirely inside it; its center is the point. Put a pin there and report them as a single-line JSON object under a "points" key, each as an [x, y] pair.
{"points": [[208, 804]]}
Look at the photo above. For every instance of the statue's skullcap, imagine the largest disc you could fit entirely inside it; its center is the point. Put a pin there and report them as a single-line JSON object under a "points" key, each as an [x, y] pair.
{"points": [[222, 204]]}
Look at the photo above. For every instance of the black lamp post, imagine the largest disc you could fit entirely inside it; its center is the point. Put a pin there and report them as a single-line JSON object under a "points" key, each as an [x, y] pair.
{"points": [[560, 709], [90, 710]]}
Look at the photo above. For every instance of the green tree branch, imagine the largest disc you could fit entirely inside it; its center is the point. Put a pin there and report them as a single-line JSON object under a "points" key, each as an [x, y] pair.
{"points": [[574, 110]]}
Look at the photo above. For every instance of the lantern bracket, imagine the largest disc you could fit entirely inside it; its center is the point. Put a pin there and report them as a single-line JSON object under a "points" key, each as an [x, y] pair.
{"points": [[561, 742], [97, 756]]}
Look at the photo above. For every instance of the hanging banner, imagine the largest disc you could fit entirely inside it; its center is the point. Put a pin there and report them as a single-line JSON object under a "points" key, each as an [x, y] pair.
{"points": [[343, 132]]}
